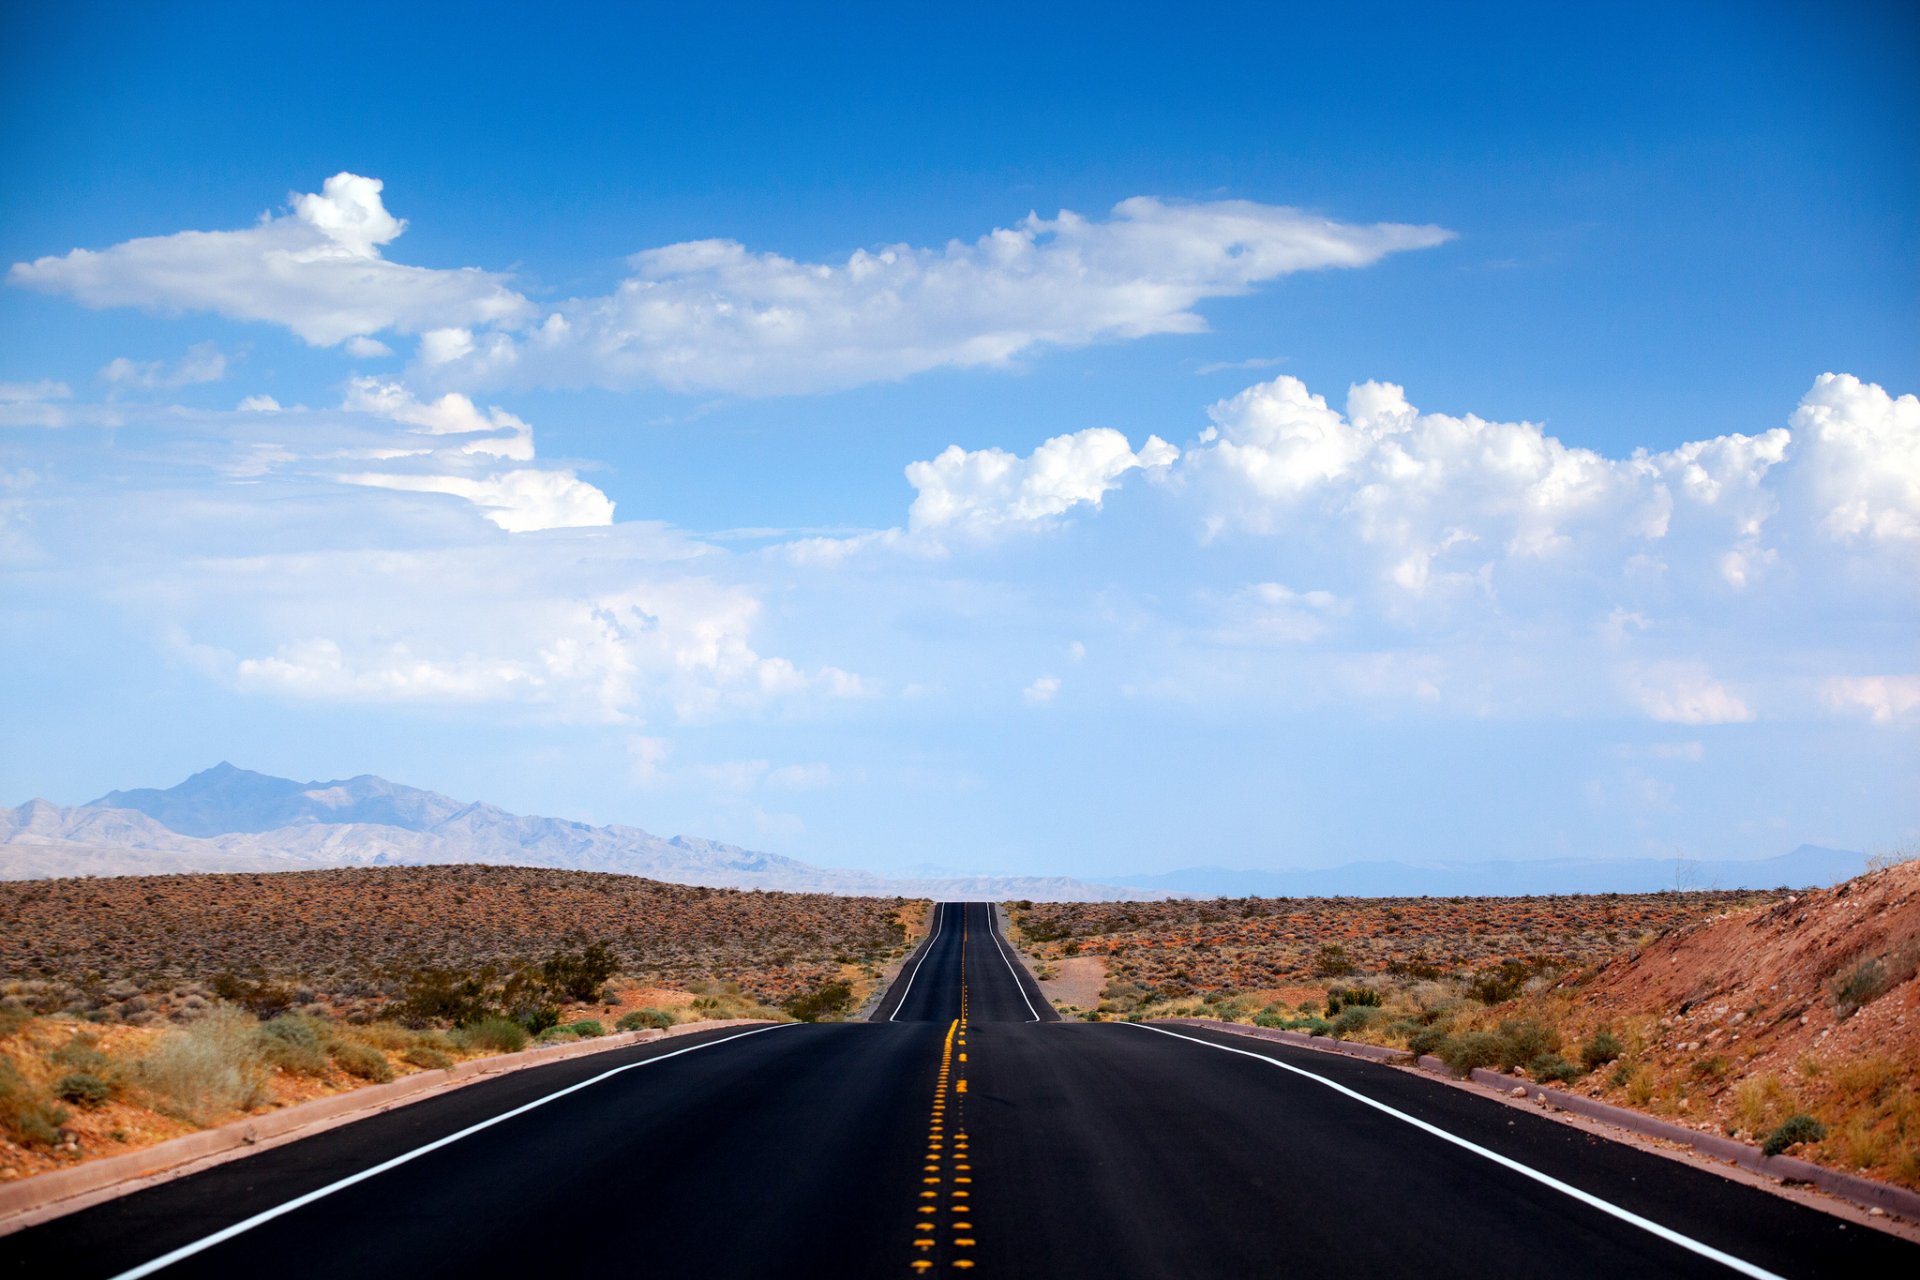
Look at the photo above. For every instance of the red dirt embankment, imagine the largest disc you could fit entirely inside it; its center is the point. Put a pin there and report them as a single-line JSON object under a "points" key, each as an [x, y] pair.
{"points": [[1808, 1006]]}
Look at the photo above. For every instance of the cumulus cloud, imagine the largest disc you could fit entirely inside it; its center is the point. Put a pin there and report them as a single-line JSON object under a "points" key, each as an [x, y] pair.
{"points": [[987, 489], [316, 269], [1885, 699], [1863, 458], [1442, 504], [519, 501]]}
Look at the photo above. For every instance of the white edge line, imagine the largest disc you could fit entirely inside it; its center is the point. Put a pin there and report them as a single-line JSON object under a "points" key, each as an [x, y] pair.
{"points": [[939, 923], [993, 928], [1587, 1198], [248, 1224]]}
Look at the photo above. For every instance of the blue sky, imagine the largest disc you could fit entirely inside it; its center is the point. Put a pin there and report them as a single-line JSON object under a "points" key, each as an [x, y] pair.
{"points": [[1082, 441]]}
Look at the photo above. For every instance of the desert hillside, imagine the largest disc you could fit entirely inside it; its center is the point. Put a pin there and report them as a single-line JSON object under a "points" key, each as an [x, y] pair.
{"points": [[353, 938]]}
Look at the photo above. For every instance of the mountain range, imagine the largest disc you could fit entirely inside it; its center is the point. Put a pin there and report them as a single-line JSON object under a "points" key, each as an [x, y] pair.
{"points": [[231, 819]]}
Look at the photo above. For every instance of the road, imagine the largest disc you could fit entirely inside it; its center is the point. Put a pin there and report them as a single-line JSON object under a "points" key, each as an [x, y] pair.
{"points": [[964, 1129]]}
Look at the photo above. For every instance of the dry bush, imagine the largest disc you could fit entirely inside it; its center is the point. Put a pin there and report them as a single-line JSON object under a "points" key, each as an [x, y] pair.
{"points": [[213, 1066]]}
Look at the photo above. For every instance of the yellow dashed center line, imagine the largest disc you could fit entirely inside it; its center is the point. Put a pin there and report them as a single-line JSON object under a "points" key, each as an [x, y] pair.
{"points": [[952, 1059]]}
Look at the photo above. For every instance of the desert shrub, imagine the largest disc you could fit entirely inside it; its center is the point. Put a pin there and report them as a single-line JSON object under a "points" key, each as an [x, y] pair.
{"points": [[361, 1060], [824, 1003], [82, 1089], [579, 975], [295, 1044], [426, 1057], [390, 1036], [1352, 997], [1497, 985], [259, 996], [82, 1053], [491, 1035], [446, 995], [1551, 1066], [642, 1019], [1601, 1048], [557, 1035], [13, 1016], [1859, 986], [1524, 1039], [587, 1028], [1332, 961], [1312, 1026], [1352, 1020], [1426, 1040], [27, 1114], [1794, 1130], [213, 1065], [1471, 1049]]}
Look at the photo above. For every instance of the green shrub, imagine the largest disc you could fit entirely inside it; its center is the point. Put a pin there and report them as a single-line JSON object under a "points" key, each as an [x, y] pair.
{"points": [[1523, 1039], [1551, 1066], [447, 995], [1600, 1049], [1351, 1020], [426, 1057], [82, 1089], [587, 1028], [362, 1060], [295, 1044], [1859, 987], [27, 1114], [557, 1035], [491, 1035], [579, 975], [1349, 997], [1494, 986], [13, 1016], [822, 1004], [1426, 1040], [643, 1019], [1793, 1130], [215, 1065], [1313, 1026], [82, 1053], [1471, 1049]]}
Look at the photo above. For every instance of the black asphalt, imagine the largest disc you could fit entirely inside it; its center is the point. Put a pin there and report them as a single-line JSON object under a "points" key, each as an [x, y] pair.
{"points": [[1023, 1147]]}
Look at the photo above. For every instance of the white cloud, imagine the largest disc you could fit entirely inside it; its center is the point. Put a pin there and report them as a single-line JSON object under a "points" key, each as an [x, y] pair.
{"points": [[1885, 699], [34, 392], [1683, 693], [316, 269], [711, 315], [259, 404], [1255, 362], [1443, 506], [1043, 690], [204, 362], [1863, 458], [989, 489], [519, 501]]}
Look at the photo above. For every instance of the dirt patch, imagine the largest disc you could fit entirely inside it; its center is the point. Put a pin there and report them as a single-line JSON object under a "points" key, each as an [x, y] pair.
{"points": [[1076, 982]]}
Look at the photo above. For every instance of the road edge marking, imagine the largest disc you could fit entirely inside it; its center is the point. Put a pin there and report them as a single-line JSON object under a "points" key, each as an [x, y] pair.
{"points": [[939, 923], [1587, 1198], [993, 931], [186, 1251]]}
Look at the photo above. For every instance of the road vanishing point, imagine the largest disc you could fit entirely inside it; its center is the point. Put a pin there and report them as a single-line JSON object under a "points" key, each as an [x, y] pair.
{"points": [[963, 1130]]}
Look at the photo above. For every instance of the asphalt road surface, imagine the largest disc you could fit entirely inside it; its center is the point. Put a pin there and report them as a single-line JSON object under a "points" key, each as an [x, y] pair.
{"points": [[963, 1130]]}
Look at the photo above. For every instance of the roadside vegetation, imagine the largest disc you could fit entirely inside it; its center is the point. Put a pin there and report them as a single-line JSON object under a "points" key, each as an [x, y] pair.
{"points": [[137, 1010], [1788, 1020]]}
